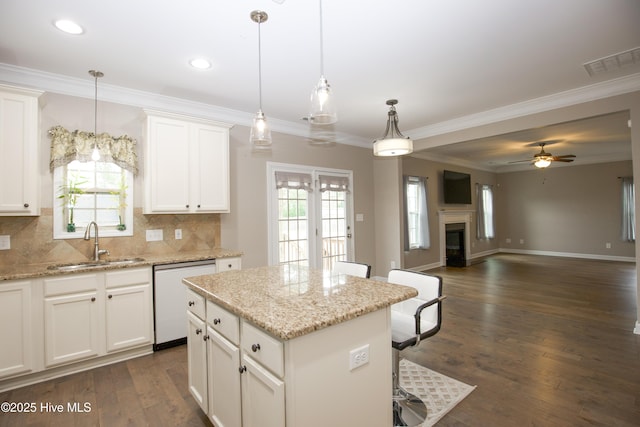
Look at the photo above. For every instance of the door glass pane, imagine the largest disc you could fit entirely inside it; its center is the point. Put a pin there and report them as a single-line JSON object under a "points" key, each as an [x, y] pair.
{"points": [[334, 228], [293, 225]]}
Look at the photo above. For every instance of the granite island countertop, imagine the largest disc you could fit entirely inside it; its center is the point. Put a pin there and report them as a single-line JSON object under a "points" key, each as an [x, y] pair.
{"points": [[29, 271], [291, 301]]}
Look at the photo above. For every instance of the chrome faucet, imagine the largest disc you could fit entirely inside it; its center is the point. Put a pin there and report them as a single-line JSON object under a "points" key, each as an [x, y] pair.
{"points": [[87, 235]]}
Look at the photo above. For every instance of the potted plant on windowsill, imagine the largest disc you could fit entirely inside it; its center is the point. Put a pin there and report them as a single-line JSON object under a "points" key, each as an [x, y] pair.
{"points": [[69, 194]]}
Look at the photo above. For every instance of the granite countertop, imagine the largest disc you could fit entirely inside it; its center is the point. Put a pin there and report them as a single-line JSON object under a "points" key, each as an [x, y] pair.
{"points": [[290, 301], [29, 271]]}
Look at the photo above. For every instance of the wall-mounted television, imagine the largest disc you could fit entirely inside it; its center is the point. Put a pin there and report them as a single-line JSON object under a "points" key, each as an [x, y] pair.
{"points": [[456, 188]]}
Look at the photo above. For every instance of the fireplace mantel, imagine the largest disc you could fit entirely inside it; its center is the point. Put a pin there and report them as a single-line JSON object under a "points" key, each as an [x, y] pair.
{"points": [[453, 217]]}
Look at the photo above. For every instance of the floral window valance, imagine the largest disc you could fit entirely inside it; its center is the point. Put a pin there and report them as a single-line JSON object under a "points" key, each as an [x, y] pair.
{"points": [[78, 145]]}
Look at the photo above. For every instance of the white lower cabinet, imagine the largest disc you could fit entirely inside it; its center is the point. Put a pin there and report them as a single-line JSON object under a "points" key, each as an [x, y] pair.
{"points": [[16, 328], [230, 385], [223, 362], [129, 316], [90, 315], [262, 396], [71, 316], [197, 360]]}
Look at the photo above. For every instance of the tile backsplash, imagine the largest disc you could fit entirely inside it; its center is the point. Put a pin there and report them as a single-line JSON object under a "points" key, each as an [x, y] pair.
{"points": [[32, 238]]}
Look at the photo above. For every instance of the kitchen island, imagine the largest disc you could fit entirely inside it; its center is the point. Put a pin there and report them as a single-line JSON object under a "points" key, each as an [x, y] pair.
{"points": [[301, 347]]}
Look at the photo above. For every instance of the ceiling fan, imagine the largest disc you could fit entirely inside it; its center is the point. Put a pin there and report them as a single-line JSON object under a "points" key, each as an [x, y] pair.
{"points": [[544, 159]]}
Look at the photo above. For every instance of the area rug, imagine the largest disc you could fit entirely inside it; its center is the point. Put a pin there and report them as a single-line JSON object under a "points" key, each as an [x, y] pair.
{"points": [[439, 392]]}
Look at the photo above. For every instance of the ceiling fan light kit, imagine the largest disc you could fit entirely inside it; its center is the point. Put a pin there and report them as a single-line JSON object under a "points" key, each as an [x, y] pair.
{"points": [[543, 159], [393, 143]]}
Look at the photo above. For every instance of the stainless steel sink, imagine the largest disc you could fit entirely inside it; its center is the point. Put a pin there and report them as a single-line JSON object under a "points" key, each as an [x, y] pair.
{"points": [[94, 264]]}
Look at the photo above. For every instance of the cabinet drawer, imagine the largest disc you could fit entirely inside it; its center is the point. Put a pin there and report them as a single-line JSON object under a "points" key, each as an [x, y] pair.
{"points": [[127, 277], [195, 304], [70, 284], [263, 348], [224, 322], [226, 264]]}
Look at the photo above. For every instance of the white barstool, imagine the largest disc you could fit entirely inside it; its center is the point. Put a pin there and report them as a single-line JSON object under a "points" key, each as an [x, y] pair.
{"points": [[352, 268], [412, 321]]}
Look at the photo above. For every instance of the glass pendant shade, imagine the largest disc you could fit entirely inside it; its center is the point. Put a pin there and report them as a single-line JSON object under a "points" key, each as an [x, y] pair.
{"points": [[260, 132], [322, 109], [393, 143], [542, 162]]}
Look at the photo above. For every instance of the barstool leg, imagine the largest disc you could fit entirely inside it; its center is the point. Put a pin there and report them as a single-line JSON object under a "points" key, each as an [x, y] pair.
{"points": [[408, 409]]}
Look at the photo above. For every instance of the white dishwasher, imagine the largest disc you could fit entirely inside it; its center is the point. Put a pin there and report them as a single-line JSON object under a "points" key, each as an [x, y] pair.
{"points": [[170, 300]]}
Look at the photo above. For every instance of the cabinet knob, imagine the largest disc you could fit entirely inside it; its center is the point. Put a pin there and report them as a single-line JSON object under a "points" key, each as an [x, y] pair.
{"points": [[230, 265], [191, 303], [255, 347], [206, 337], [187, 206], [242, 369], [198, 206], [198, 331], [110, 296], [216, 321], [93, 299], [26, 205]]}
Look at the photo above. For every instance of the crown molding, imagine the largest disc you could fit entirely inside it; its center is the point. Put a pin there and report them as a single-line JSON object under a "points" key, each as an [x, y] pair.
{"points": [[84, 88], [607, 89]]}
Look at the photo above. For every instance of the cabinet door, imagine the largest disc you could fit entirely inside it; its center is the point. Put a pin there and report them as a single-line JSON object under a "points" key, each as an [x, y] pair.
{"points": [[15, 328], [19, 174], [167, 166], [197, 360], [210, 168], [71, 327], [262, 396], [128, 317], [224, 381]]}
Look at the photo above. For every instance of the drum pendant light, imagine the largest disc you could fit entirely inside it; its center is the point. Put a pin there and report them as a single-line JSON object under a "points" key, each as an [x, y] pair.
{"points": [[393, 143]]}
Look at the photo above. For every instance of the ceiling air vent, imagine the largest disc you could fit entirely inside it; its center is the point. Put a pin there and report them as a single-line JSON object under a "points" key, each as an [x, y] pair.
{"points": [[613, 62]]}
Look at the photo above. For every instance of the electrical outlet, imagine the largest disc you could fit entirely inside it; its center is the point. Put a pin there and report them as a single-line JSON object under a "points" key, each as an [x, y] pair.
{"points": [[607, 245], [154, 235], [358, 357], [508, 239], [178, 233], [5, 243], [522, 241]]}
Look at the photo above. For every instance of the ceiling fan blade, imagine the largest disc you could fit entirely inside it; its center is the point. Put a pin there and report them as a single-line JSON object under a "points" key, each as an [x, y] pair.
{"points": [[555, 159], [566, 156], [521, 161]]}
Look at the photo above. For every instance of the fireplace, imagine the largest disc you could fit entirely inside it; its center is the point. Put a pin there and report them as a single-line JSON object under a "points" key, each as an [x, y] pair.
{"points": [[454, 243], [454, 227]]}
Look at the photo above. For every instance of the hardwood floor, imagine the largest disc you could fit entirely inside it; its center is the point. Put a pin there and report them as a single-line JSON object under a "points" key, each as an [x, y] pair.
{"points": [[548, 341]]}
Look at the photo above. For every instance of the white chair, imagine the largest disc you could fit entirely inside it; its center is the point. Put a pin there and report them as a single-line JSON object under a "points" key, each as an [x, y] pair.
{"points": [[412, 321], [352, 268]]}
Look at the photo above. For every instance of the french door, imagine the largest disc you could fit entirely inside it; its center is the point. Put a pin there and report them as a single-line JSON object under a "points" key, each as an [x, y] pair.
{"points": [[310, 215]]}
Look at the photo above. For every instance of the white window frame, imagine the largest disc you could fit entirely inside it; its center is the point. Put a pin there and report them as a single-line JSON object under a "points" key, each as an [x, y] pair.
{"points": [[315, 207], [59, 230]]}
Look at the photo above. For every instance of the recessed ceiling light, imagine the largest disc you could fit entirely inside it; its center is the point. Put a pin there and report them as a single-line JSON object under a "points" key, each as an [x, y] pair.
{"points": [[68, 27], [200, 63]]}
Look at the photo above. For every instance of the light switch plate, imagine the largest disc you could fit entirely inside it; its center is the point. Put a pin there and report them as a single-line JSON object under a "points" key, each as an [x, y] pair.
{"points": [[5, 243]]}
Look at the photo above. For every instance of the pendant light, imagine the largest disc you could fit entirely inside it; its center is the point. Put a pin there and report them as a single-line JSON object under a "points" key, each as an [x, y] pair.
{"points": [[393, 143], [260, 132], [322, 111], [95, 155]]}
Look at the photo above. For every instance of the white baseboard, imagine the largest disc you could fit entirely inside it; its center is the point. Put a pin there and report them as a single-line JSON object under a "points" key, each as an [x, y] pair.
{"points": [[636, 330], [568, 255]]}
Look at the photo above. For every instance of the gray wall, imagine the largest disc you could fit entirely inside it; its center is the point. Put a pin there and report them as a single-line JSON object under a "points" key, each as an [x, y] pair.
{"points": [[572, 210], [245, 228]]}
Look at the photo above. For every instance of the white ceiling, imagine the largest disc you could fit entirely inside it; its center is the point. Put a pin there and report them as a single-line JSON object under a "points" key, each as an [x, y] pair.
{"points": [[442, 59]]}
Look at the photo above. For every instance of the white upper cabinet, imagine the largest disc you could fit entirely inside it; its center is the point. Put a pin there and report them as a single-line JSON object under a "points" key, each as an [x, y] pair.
{"points": [[186, 165], [19, 175]]}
